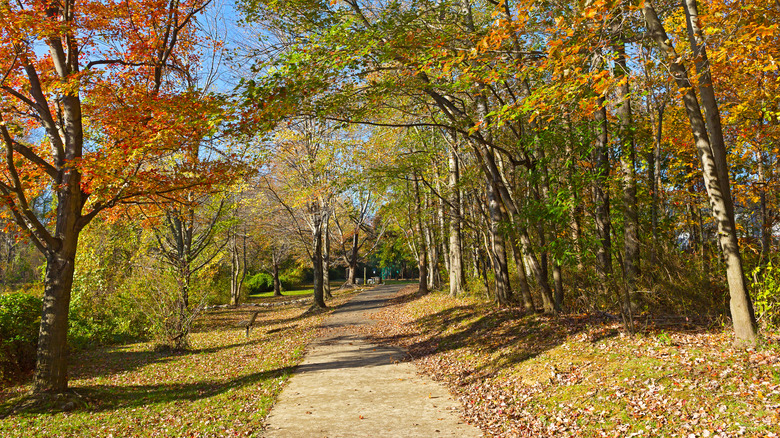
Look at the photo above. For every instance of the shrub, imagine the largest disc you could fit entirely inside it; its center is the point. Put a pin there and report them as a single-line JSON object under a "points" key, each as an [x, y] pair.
{"points": [[288, 282], [259, 283], [766, 286], [95, 320], [20, 316]]}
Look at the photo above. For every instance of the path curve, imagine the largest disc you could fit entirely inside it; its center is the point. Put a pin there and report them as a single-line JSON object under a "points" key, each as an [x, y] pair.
{"points": [[347, 387]]}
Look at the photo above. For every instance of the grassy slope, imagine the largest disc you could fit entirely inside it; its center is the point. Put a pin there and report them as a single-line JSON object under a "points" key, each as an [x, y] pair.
{"points": [[529, 375], [224, 386]]}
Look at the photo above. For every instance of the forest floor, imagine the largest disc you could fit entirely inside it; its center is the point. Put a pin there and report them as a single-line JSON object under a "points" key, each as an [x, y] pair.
{"points": [[223, 386], [521, 374]]}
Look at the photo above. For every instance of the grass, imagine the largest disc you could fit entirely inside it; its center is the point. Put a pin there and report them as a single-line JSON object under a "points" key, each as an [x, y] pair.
{"points": [[286, 293], [224, 386], [530, 375], [299, 291]]}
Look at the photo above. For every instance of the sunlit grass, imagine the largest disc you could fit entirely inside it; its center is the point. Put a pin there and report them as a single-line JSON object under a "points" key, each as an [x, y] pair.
{"points": [[525, 374], [223, 386]]}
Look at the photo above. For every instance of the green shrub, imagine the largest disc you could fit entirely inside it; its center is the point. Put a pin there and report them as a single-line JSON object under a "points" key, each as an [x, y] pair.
{"points": [[766, 287], [94, 321], [20, 316], [259, 283], [288, 282]]}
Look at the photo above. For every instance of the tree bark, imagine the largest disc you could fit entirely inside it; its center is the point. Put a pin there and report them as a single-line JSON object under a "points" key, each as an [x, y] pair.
{"points": [[434, 275], [51, 370], [275, 271], [457, 277], [575, 213], [525, 290], [319, 291], [628, 165], [601, 196], [422, 257], [714, 171], [503, 293], [326, 257]]}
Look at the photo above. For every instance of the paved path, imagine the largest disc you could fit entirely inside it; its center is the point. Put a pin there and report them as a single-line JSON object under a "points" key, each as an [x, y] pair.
{"points": [[346, 387]]}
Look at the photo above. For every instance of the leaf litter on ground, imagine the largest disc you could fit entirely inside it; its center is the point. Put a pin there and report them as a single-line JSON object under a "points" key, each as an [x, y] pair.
{"points": [[528, 375]]}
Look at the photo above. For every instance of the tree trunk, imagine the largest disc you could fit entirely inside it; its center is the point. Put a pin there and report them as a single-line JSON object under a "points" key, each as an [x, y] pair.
{"points": [[326, 257], [275, 270], [353, 258], [601, 197], [457, 278], [182, 328], [525, 290], [51, 370], [558, 284], [422, 257], [237, 269], [628, 165], [503, 294], [234, 268], [319, 292], [654, 181], [575, 212], [433, 251], [714, 171]]}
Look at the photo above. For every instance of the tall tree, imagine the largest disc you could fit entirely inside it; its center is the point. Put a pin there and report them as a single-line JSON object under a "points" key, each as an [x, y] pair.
{"points": [[106, 115]]}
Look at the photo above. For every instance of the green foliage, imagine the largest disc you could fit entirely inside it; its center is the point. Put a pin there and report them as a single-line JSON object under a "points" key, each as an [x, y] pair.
{"points": [[259, 283], [103, 309], [289, 280], [95, 321], [262, 282], [220, 287], [766, 284], [19, 321]]}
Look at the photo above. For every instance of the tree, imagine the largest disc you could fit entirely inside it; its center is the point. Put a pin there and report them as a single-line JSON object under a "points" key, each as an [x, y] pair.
{"points": [[714, 166], [90, 122]]}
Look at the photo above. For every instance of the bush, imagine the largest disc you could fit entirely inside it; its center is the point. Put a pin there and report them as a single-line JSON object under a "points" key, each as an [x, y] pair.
{"points": [[20, 316], [94, 321], [766, 287], [259, 283]]}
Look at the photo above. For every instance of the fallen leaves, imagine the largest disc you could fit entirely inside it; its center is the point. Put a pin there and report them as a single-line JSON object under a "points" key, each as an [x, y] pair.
{"points": [[528, 375]]}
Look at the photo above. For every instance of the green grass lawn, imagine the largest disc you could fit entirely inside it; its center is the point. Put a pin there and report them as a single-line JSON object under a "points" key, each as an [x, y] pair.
{"points": [[224, 386], [286, 293]]}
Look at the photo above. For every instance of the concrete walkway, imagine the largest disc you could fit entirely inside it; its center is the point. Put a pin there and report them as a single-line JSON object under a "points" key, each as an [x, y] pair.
{"points": [[346, 387]]}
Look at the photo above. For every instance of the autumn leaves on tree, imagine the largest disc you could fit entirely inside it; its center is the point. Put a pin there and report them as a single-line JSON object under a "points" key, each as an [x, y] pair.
{"points": [[94, 114], [542, 152], [568, 112]]}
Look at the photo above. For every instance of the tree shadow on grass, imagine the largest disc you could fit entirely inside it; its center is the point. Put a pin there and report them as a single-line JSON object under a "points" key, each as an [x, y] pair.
{"points": [[116, 360], [100, 398], [503, 336]]}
